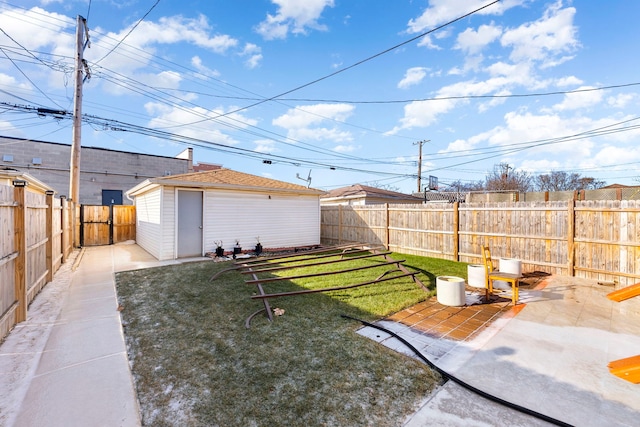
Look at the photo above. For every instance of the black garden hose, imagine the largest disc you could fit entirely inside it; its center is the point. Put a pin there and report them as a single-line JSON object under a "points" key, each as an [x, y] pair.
{"points": [[459, 381]]}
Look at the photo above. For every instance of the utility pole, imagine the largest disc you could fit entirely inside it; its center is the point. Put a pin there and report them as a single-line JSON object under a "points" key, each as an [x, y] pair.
{"points": [[420, 144], [82, 41]]}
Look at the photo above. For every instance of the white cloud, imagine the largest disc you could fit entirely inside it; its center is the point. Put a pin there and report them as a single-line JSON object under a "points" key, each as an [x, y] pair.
{"points": [[254, 53], [579, 100], [345, 148], [265, 146], [442, 11], [422, 114], [305, 123], [8, 129], [52, 29], [413, 76], [320, 134], [10, 81], [547, 40], [308, 115], [474, 41], [168, 30], [197, 122], [621, 100], [196, 62], [568, 81], [540, 43], [427, 42], [293, 16]]}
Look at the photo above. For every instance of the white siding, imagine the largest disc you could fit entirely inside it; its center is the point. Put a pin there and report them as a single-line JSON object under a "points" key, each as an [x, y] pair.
{"points": [[148, 221], [168, 213], [279, 220]]}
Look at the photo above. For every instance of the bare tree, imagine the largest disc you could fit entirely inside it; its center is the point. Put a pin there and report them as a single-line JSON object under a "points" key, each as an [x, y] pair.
{"points": [[563, 181], [463, 187], [505, 178]]}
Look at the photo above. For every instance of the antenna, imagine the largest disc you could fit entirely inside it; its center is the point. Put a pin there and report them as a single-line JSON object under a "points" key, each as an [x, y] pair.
{"points": [[307, 179]]}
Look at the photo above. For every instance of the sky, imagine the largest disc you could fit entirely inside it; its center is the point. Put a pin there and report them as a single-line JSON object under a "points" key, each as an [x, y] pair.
{"points": [[330, 93]]}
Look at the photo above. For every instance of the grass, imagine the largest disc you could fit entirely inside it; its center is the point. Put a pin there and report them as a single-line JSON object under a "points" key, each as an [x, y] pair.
{"points": [[195, 363]]}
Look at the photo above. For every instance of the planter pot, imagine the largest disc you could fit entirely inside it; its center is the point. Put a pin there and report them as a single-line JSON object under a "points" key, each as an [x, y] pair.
{"points": [[450, 290], [258, 249], [477, 275], [508, 265], [219, 251], [237, 250]]}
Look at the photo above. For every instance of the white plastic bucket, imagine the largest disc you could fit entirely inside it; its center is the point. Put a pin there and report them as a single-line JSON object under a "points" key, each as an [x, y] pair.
{"points": [[476, 275], [511, 265], [508, 265], [450, 290]]}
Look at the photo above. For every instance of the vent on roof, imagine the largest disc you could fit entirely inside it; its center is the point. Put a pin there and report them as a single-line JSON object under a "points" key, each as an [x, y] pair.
{"points": [[7, 157], [167, 173]]}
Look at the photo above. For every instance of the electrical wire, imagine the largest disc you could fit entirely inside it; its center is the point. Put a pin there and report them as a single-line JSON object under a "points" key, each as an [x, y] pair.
{"points": [[115, 125], [130, 31], [437, 98], [342, 70], [27, 77]]}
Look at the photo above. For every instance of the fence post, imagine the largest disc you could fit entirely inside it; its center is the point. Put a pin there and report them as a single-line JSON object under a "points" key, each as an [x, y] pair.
{"points": [[339, 224], [386, 228], [49, 227], [64, 222], [571, 232], [20, 245], [456, 231]]}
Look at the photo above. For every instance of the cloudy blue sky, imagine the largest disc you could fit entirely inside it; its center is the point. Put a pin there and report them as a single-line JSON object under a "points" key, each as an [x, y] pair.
{"points": [[342, 90]]}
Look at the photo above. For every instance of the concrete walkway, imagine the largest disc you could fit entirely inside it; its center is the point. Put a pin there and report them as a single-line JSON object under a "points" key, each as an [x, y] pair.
{"points": [[67, 364]]}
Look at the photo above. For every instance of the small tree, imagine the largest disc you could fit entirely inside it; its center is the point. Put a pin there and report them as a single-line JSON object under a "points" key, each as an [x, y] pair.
{"points": [[505, 178]]}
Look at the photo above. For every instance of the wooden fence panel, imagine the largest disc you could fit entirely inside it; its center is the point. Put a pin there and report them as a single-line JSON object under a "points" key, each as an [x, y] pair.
{"points": [[422, 229], [36, 233], [365, 224], [124, 223], [56, 231], [7, 261], [607, 240], [29, 258], [592, 239], [330, 224]]}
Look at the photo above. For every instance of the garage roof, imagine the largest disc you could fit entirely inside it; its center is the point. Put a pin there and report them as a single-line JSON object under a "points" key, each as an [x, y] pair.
{"points": [[223, 179]]}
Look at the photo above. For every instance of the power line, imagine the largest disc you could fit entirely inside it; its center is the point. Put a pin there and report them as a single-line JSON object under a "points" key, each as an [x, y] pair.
{"points": [[130, 31], [115, 125], [341, 70], [437, 98], [27, 77]]}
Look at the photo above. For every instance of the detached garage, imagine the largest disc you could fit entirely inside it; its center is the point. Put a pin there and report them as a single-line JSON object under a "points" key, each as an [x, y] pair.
{"points": [[185, 215]]}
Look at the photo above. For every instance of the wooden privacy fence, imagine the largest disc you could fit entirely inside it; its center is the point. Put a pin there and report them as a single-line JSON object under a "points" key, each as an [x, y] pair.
{"points": [[591, 239], [35, 233]]}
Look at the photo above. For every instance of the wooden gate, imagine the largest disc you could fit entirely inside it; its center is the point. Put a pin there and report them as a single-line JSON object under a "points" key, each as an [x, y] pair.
{"points": [[106, 225]]}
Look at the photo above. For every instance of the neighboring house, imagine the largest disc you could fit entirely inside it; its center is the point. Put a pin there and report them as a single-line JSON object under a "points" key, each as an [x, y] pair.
{"points": [[185, 215], [204, 167], [363, 195], [104, 174]]}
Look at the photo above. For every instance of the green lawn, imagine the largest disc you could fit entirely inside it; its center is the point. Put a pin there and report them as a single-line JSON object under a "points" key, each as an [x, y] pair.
{"points": [[195, 363]]}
